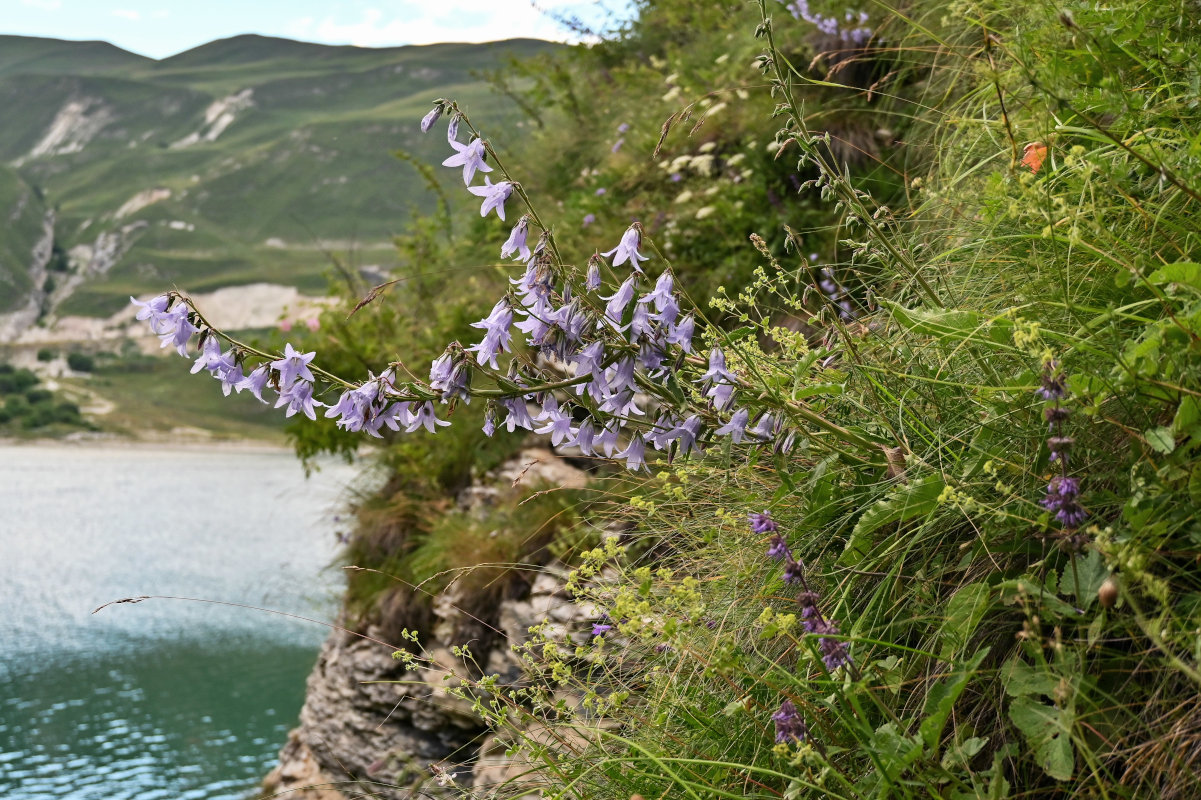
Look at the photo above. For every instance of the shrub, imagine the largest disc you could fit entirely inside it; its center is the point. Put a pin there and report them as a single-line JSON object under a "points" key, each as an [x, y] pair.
{"points": [[81, 362]]}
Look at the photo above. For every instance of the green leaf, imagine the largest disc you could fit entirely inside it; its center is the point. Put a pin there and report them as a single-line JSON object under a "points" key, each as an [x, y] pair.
{"points": [[1186, 272], [1084, 576], [1188, 413], [964, 611], [1021, 680], [818, 390], [953, 325], [1161, 439], [1048, 732], [942, 697], [907, 502]]}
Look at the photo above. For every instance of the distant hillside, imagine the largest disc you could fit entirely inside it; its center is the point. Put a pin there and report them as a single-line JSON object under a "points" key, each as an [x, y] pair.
{"points": [[226, 164]]}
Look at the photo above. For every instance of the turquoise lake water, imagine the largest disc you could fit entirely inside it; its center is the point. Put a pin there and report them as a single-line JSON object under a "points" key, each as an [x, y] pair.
{"points": [[163, 698]]}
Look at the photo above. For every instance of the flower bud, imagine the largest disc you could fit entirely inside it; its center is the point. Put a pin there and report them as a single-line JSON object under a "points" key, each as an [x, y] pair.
{"points": [[1107, 595]]}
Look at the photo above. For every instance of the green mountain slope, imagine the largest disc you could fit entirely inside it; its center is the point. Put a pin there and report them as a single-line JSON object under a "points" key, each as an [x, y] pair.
{"points": [[231, 162]]}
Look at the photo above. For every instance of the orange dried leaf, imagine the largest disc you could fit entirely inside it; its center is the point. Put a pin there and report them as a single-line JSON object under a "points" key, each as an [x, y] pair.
{"points": [[1033, 156]]}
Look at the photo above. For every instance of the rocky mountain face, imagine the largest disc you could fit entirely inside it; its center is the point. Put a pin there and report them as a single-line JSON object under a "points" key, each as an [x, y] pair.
{"points": [[240, 161], [370, 725]]}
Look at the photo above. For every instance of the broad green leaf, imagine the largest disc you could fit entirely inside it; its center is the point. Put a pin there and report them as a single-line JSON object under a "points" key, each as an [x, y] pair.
{"points": [[1188, 414], [1186, 272], [913, 500], [1048, 732], [959, 753], [964, 611], [1020, 679], [1084, 576], [1160, 439]]}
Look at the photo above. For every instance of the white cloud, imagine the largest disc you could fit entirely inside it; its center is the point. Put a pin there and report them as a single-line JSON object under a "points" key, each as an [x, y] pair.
{"points": [[125, 13], [449, 21], [45, 5]]}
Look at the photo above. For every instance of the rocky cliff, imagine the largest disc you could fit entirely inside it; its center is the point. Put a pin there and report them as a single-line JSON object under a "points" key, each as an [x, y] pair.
{"points": [[371, 724]]}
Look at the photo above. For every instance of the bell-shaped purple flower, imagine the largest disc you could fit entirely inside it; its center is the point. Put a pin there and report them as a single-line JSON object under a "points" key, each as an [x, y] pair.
{"points": [[175, 329], [616, 307], [736, 427], [681, 333], [298, 397], [470, 157], [516, 243], [634, 453], [256, 381], [627, 249], [293, 366], [592, 281], [425, 417], [494, 194]]}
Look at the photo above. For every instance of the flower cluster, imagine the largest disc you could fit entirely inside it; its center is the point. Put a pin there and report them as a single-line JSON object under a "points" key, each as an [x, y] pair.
{"points": [[1063, 492], [603, 373], [852, 29], [835, 652]]}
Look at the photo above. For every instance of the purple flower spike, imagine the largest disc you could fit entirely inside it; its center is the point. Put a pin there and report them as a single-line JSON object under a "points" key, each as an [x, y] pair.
{"points": [[494, 194], [777, 548], [789, 725], [470, 157], [794, 571], [516, 243], [761, 522], [627, 249]]}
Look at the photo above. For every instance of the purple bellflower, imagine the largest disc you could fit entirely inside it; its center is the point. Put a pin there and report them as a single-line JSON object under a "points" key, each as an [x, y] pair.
{"points": [[627, 249], [494, 194], [736, 427], [618, 301], [298, 397], [593, 280], [681, 334], [470, 157], [152, 310], [516, 243], [256, 381], [426, 418], [176, 329], [293, 366], [634, 453]]}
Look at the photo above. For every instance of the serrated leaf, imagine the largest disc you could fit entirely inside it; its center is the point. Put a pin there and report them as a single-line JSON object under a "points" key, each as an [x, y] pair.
{"points": [[907, 502], [1160, 439], [1184, 272], [1048, 732], [818, 390]]}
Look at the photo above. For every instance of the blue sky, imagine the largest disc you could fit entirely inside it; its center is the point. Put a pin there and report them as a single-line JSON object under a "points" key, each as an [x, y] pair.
{"points": [[160, 28]]}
